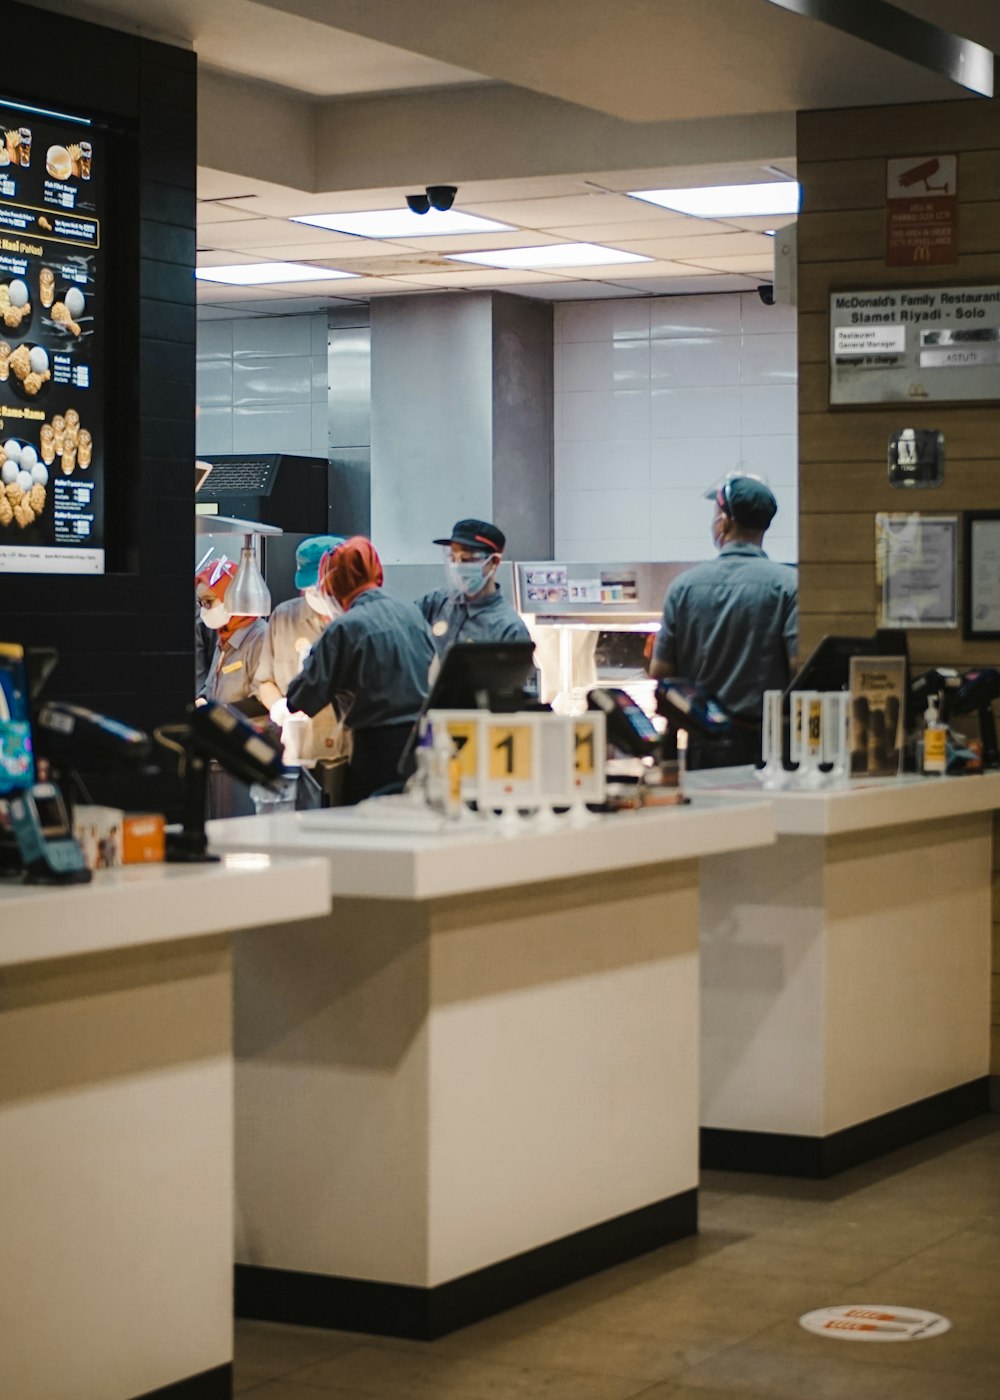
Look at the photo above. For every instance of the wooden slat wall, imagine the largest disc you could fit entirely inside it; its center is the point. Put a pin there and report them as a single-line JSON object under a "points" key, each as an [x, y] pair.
{"points": [[842, 478]]}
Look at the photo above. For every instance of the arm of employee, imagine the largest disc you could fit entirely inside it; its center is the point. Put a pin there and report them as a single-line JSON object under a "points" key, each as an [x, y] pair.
{"points": [[790, 631], [316, 685], [664, 662], [264, 686]]}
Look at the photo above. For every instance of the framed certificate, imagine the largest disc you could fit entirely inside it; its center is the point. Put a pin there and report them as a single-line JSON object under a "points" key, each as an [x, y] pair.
{"points": [[917, 567], [981, 618]]}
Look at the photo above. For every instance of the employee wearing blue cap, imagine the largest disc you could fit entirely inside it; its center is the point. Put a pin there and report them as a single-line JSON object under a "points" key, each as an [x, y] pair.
{"points": [[471, 607], [319, 744], [731, 624]]}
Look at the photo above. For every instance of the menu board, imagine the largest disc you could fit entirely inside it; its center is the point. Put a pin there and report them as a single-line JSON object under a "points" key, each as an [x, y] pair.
{"points": [[52, 429]]}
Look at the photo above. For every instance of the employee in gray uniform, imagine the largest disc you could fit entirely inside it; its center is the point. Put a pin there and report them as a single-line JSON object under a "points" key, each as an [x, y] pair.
{"points": [[320, 745], [370, 664], [471, 608], [731, 624], [230, 674]]}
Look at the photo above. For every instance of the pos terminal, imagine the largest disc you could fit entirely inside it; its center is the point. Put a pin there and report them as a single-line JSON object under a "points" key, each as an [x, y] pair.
{"points": [[36, 838]]}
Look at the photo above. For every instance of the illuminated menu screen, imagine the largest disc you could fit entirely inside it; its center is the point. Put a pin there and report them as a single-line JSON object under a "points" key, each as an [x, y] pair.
{"points": [[52, 368]]}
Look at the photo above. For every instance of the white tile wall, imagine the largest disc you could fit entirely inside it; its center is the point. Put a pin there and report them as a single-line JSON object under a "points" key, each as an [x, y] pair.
{"points": [[657, 399], [262, 385]]}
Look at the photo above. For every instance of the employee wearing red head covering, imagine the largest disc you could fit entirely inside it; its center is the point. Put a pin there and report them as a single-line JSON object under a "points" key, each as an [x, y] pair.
{"points": [[230, 673], [370, 664]]}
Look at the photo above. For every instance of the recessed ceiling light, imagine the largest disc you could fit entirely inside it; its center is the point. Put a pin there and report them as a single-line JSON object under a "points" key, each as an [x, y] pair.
{"points": [[268, 273], [554, 255], [727, 201], [401, 223]]}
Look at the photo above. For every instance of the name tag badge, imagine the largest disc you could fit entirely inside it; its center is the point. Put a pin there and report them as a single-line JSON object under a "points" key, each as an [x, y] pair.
{"points": [[233, 666], [440, 627]]}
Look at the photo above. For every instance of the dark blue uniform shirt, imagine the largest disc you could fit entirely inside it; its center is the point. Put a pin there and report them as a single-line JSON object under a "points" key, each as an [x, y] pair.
{"points": [[370, 664], [731, 625], [455, 618]]}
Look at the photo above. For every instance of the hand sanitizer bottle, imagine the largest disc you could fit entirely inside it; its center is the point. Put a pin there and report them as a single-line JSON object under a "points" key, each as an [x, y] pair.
{"points": [[935, 739]]}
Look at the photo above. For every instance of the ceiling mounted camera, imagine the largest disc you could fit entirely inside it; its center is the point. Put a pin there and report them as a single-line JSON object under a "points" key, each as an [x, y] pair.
{"points": [[766, 293], [418, 203], [442, 197]]}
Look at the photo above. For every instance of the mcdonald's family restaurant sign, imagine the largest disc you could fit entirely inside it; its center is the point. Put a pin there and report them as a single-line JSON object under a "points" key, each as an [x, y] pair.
{"points": [[921, 211], [915, 345]]}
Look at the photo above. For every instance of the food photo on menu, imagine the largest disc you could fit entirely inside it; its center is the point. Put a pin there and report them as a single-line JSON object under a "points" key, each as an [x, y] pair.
{"points": [[51, 339]]}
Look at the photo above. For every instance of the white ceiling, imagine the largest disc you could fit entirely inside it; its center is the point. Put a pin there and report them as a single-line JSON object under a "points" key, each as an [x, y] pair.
{"points": [[669, 63]]}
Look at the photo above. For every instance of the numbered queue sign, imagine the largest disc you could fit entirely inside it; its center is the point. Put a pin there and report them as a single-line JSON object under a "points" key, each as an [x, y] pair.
{"points": [[463, 728], [509, 766], [589, 753]]}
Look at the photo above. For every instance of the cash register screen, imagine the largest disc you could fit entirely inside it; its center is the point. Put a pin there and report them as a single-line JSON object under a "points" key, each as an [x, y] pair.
{"points": [[17, 766]]}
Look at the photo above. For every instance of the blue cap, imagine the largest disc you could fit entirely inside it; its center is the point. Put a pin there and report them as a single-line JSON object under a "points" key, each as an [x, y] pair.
{"points": [[307, 558], [745, 499]]}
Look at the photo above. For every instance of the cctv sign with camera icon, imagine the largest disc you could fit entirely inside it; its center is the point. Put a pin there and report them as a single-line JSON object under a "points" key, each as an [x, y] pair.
{"points": [[921, 211]]}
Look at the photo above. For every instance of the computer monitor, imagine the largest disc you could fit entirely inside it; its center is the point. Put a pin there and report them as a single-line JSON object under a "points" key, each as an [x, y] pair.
{"points": [[482, 675], [828, 667]]}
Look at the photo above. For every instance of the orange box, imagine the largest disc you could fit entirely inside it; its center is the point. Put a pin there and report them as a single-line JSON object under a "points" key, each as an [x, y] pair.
{"points": [[143, 837]]}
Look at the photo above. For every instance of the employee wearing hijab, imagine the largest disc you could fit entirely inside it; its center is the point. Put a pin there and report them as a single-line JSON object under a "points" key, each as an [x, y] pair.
{"points": [[239, 639], [320, 745], [370, 664], [230, 674], [471, 607]]}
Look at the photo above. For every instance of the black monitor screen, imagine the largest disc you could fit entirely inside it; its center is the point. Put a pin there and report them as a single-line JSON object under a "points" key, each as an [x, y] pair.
{"points": [[829, 665], [471, 671]]}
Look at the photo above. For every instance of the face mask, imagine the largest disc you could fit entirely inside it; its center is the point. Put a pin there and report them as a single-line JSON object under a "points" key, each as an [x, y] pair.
{"points": [[321, 603], [216, 616], [466, 578]]}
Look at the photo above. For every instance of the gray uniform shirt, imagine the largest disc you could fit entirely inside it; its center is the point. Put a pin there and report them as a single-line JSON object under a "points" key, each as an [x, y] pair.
{"points": [[731, 625], [455, 618], [231, 672], [292, 630], [370, 664]]}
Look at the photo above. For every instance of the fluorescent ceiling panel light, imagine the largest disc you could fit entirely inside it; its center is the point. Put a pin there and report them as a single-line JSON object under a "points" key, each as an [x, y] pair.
{"points": [[727, 201], [554, 255], [264, 274], [402, 223]]}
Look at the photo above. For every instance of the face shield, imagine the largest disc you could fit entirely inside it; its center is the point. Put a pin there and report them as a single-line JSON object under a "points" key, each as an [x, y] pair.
{"points": [[467, 571]]}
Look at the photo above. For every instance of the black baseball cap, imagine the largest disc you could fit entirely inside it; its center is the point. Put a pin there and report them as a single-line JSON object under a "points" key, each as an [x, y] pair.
{"points": [[745, 499], [476, 534]]}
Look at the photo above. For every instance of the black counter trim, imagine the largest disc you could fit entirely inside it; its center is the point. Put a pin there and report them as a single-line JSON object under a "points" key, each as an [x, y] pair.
{"points": [[216, 1384], [397, 1310], [785, 1154]]}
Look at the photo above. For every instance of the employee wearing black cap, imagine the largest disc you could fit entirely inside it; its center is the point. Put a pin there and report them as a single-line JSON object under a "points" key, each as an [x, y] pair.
{"points": [[731, 624], [471, 608]]}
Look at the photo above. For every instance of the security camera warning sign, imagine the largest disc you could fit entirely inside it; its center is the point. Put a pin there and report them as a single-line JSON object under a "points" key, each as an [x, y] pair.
{"points": [[921, 211]]}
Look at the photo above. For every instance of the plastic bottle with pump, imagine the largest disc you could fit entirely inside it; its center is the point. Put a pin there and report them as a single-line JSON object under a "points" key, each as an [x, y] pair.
{"points": [[935, 739]]}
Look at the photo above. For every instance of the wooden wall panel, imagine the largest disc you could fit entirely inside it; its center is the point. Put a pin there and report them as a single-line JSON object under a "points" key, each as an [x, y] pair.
{"points": [[842, 477]]}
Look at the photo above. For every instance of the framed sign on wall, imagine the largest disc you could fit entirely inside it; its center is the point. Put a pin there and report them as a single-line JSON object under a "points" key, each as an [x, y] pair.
{"points": [[981, 619]]}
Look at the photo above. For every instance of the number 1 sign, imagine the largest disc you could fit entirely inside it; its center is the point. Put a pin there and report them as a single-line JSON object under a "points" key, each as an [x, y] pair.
{"points": [[509, 771]]}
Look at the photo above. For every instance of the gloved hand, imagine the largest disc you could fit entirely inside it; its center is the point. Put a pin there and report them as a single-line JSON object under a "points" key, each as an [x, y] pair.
{"points": [[279, 711]]}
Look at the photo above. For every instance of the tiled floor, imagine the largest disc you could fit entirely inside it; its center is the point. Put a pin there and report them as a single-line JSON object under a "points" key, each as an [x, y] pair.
{"points": [[717, 1315]]}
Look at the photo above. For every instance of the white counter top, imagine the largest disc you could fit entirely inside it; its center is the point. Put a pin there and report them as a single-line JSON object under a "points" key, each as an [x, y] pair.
{"points": [[143, 904], [368, 860], [862, 805]]}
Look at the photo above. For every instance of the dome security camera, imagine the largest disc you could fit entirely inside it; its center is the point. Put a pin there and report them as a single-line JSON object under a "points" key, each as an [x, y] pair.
{"points": [[418, 203], [766, 293], [442, 197]]}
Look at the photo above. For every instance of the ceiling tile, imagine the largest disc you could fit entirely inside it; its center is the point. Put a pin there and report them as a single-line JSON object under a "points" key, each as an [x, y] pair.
{"points": [[485, 278], [752, 264], [209, 212], [687, 286], [580, 291], [332, 251], [566, 211], [478, 242], [730, 245]]}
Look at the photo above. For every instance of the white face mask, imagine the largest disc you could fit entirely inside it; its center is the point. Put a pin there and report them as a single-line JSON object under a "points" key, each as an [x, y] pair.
{"points": [[468, 577], [321, 603], [216, 616]]}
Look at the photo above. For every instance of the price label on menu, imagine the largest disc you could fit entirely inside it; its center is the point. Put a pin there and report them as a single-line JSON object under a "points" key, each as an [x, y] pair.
{"points": [[52, 337]]}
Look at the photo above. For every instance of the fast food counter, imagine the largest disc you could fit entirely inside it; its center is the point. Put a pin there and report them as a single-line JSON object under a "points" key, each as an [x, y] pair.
{"points": [[475, 1078], [116, 1121], [846, 971]]}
